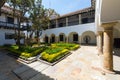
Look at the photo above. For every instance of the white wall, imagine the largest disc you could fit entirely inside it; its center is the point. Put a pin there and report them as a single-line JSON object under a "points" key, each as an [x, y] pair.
{"points": [[7, 41], [79, 29], [2, 37], [91, 35], [110, 10], [67, 30]]}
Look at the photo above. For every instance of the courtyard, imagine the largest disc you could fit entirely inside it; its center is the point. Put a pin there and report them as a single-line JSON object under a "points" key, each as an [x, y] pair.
{"points": [[82, 64]]}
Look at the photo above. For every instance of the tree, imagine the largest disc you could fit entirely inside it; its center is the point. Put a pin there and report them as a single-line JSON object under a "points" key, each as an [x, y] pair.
{"points": [[23, 6], [40, 17]]}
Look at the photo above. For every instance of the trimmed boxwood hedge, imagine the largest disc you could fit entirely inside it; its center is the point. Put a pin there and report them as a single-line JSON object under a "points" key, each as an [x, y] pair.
{"points": [[69, 46], [52, 57], [25, 52], [50, 54]]}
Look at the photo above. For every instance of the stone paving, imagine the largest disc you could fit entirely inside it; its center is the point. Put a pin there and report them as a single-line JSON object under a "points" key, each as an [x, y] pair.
{"points": [[7, 64], [82, 64]]}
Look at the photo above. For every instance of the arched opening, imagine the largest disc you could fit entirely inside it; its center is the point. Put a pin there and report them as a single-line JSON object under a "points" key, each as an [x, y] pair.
{"points": [[46, 39], [88, 37], [62, 37], [52, 40], [73, 37]]}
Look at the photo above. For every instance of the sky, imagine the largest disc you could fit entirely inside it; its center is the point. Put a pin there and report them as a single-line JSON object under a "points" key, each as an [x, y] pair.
{"points": [[66, 6]]}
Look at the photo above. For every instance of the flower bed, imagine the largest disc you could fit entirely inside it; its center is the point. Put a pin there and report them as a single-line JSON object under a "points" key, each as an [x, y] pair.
{"points": [[26, 53], [53, 54], [57, 51], [69, 46]]}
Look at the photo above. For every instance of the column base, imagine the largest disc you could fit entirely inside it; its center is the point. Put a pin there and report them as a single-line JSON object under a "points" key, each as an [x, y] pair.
{"points": [[108, 72]]}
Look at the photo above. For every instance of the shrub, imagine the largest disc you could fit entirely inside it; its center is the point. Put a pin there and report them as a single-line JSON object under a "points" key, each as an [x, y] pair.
{"points": [[14, 47], [25, 51], [55, 56], [69, 46]]}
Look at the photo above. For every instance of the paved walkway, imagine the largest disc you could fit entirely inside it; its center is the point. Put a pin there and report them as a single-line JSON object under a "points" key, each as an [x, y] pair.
{"points": [[82, 64], [7, 64]]}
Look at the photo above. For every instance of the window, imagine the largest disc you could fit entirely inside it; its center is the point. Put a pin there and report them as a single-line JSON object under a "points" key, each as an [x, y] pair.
{"points": [[85, 20], [9, 36], [75, 37], [10, 20], [60, 24]]}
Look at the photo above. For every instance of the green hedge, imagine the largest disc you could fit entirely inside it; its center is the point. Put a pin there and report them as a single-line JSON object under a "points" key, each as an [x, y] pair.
{"points": [[25, 52], [54, 56], [69, 46]]}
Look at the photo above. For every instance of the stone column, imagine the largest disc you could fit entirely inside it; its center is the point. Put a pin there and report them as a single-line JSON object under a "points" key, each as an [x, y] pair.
{"points": [[100, 42], [66, 21], [108, 48], [56, 23], [80, 41], [80, 19], [56, 39], [67, 39], [48, 39]]}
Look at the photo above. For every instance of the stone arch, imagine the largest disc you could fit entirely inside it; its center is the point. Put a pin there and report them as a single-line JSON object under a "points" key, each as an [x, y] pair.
{"points": [[88, 37], [46, 39], [73, 37], [62, 37], [52, 38]]}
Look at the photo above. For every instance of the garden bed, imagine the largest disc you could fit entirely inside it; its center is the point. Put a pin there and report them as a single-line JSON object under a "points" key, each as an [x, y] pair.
{"points": [[53, 55], [25, 54], [56, 52], [55, 62], [69, 46], [50, 55]]}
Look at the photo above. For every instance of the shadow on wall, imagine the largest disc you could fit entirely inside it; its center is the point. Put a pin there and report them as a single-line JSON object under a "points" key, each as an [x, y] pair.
{"points": [[116, 52]]}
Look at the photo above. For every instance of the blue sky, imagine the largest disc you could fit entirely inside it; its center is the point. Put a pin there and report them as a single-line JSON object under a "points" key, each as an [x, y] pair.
{"points": [[66, 6]]}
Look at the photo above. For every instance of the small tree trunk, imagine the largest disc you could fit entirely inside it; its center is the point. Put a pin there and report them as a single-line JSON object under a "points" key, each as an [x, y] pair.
{"points": [[18, 36], [38, 37]]}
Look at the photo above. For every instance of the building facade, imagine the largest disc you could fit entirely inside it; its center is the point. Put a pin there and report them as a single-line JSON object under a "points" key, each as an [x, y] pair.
{"points": [[8, 25], [75, 27]]}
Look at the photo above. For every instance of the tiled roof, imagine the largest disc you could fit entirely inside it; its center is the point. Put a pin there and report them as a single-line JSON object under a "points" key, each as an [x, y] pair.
{"points": [[76, 12], [8, 10]]}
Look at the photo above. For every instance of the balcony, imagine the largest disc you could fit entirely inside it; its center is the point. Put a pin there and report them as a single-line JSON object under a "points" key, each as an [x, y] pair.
{"points": [[8, 25]]}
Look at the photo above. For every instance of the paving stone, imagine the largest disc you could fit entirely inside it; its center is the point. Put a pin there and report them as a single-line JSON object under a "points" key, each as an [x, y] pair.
{"points": [[3, 77], [28, 74], [25, 68], [21, 69], [34, 64], [41, 77], [41, 67], [32, 71]]}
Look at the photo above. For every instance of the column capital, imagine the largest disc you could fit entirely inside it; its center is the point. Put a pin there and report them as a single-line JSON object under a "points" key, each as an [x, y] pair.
{"points": [[99, 33], [109, 25]]}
